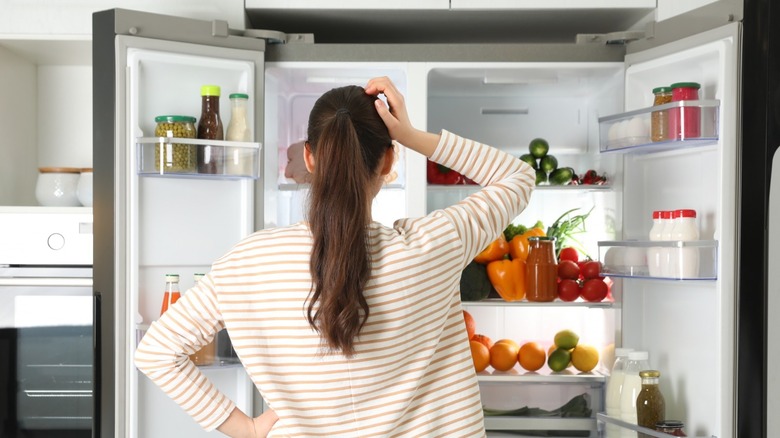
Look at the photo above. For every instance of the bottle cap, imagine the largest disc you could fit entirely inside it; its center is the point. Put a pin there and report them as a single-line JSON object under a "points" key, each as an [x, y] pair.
{"points": [[661, 90], [657, 214], [172, 277], [649, 373], [695, 85], [638, 355], [239, 96], [666, 215], [544, 238], [209, 90], [623, 352], [198, 277], [684, 213]]}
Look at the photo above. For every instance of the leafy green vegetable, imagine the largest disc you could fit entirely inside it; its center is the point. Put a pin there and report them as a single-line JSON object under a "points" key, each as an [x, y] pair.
{"points": [[517, 229], [565, 228], [474, 283], [577, 407]]}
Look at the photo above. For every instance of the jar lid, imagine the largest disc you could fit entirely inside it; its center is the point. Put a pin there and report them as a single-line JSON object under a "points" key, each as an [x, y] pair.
{"points": [[670, 423], [172, 277], [541, 238], [649, 373], [59, 169], [695, 85], [175, 119], [209, 90], [623, 352], [684, 213], [239, 96], [638, 355], [198, 276], [661, 90]]}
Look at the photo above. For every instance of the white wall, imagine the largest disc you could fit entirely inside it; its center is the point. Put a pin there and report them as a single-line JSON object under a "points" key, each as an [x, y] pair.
{"points": [[669, 8]]}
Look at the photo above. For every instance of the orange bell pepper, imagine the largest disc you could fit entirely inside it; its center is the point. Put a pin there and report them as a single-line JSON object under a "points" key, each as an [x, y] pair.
{"points": [[518, 247], [508, 278], [495, 251]]}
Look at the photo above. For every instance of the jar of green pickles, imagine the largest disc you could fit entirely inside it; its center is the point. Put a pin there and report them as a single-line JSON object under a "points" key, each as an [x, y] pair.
{"points": [[176, 157]]}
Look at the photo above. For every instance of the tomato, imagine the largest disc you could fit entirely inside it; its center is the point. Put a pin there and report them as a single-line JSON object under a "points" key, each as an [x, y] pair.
{"points": [[591, 269], [568, 290], [594, 290], [569, 253], [568, 269]]}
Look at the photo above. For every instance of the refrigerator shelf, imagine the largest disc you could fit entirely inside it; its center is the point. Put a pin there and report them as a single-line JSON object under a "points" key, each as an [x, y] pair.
{"points": [[233, 159], [294, 187], [689, 260], [520, 424], [604, 418], [545, 375], [631, 131], [496, 302], [467, 189]]}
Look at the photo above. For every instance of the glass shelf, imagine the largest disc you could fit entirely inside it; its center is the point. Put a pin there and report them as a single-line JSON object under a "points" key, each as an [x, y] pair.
{"points": [[685, 260], [294, 187], [468, 189], [232, 159], [544, 375], [630, 131], [603, 418], [493, 302], [519, 424]]}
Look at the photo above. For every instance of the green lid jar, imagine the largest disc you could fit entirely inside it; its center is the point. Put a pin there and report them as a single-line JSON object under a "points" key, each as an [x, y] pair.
{"points": [[175, 157]]}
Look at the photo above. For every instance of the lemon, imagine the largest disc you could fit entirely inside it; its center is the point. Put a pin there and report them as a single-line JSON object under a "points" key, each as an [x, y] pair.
{"points": [[559, 360], [584, 357], [566, 339]]}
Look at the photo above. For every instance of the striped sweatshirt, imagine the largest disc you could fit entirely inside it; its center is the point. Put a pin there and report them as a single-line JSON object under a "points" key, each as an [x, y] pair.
{"points": [[412, 374]]}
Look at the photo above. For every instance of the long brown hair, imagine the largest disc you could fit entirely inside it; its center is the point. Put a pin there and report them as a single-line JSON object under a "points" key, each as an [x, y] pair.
{"points": [[347, 139]]}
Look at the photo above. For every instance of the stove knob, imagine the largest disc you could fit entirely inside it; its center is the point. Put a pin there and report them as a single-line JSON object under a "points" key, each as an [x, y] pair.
{"points": [[56, 241]]}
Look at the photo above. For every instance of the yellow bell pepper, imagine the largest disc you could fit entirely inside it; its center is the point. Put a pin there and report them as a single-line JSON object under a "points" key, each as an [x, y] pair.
{"points": [[508, 278], [497, 250]]}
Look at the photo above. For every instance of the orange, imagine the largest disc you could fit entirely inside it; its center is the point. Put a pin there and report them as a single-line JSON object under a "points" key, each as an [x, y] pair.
{"points": [[531, 356], [471, 325], [487, 342], [480, 355], [510, 342], [503, 356]]}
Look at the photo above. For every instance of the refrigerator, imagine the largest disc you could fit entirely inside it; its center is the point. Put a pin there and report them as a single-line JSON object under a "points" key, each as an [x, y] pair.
{"points": [[706, 336]]}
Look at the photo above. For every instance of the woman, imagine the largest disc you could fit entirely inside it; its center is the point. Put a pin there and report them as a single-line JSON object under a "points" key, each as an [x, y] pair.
{"points": [[348, 327]]}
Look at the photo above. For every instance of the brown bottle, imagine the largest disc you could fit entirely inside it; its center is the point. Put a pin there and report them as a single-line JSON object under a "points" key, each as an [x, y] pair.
{"points": [[541, 270], [210, 158]]}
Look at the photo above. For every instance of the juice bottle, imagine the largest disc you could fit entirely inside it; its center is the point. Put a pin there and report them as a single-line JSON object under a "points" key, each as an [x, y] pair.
{"points": [[172, 293]]}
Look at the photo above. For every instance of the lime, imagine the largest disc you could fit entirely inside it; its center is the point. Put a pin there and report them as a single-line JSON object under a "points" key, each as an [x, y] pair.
{"points": [[559, 359], [528, 158], [538, 147], [566, 339], [548, 163], [541, 177], [561, 176]]}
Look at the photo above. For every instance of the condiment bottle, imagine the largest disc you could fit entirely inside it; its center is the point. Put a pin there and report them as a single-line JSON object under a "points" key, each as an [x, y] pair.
{"points": [[238, 162], [659, 120], [650, 404], [685, 121], [541, 270], [172, 293], [206, 355], [632, 385], [684, 260], [671, 427], [614, 388], [654, 253], [210, 128]]}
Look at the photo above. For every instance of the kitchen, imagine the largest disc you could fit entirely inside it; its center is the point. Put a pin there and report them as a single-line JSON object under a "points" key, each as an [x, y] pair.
{"points": [[52, 101]]}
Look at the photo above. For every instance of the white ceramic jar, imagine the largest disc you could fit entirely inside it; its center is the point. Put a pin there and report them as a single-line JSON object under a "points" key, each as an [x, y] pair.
{"points": [[56, 186], [84, 187]]}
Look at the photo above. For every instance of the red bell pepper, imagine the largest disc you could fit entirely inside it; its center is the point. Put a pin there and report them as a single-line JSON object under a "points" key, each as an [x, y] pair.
{"points": [[438, 174]]}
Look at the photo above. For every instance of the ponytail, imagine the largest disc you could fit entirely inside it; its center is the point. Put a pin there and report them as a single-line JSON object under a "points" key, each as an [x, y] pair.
{"points": [[347, 139]]}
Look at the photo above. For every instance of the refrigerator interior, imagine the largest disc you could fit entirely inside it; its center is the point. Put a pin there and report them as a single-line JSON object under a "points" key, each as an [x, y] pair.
{"points": [[181, 225], [507, 105], [687, 326], [291, 90]]}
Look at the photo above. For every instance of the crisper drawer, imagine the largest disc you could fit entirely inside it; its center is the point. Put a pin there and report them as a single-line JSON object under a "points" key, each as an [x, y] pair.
{"points": [[541, 409]]}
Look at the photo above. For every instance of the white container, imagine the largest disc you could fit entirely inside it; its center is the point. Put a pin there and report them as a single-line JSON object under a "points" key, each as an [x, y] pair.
{"points": [[84, 187], [685, 261], [614, 389], [654, 253], [56, 186], [632, 385], [238, 163], [666, 253]]}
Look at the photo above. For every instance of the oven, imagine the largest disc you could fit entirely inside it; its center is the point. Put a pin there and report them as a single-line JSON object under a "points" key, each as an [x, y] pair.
{"points": [[47, 354]]}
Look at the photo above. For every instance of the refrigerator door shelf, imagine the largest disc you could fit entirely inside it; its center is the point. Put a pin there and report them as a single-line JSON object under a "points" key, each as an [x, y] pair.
{"points": [[684, 260], [237, 160], [606, 419], [687, 123]]}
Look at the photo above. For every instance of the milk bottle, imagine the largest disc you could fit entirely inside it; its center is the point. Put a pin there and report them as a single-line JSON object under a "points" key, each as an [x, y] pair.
{"points": [[614, 388], [685, 260], [632, 385], [654, 253]]}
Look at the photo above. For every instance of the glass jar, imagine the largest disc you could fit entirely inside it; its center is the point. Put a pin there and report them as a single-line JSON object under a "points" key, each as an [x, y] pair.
{"points": [[659, 120], [238, 159], [541, 270], [210, 128], [176, 157], [650, 403], [685, 122], [172, 293], [671, 427]]}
